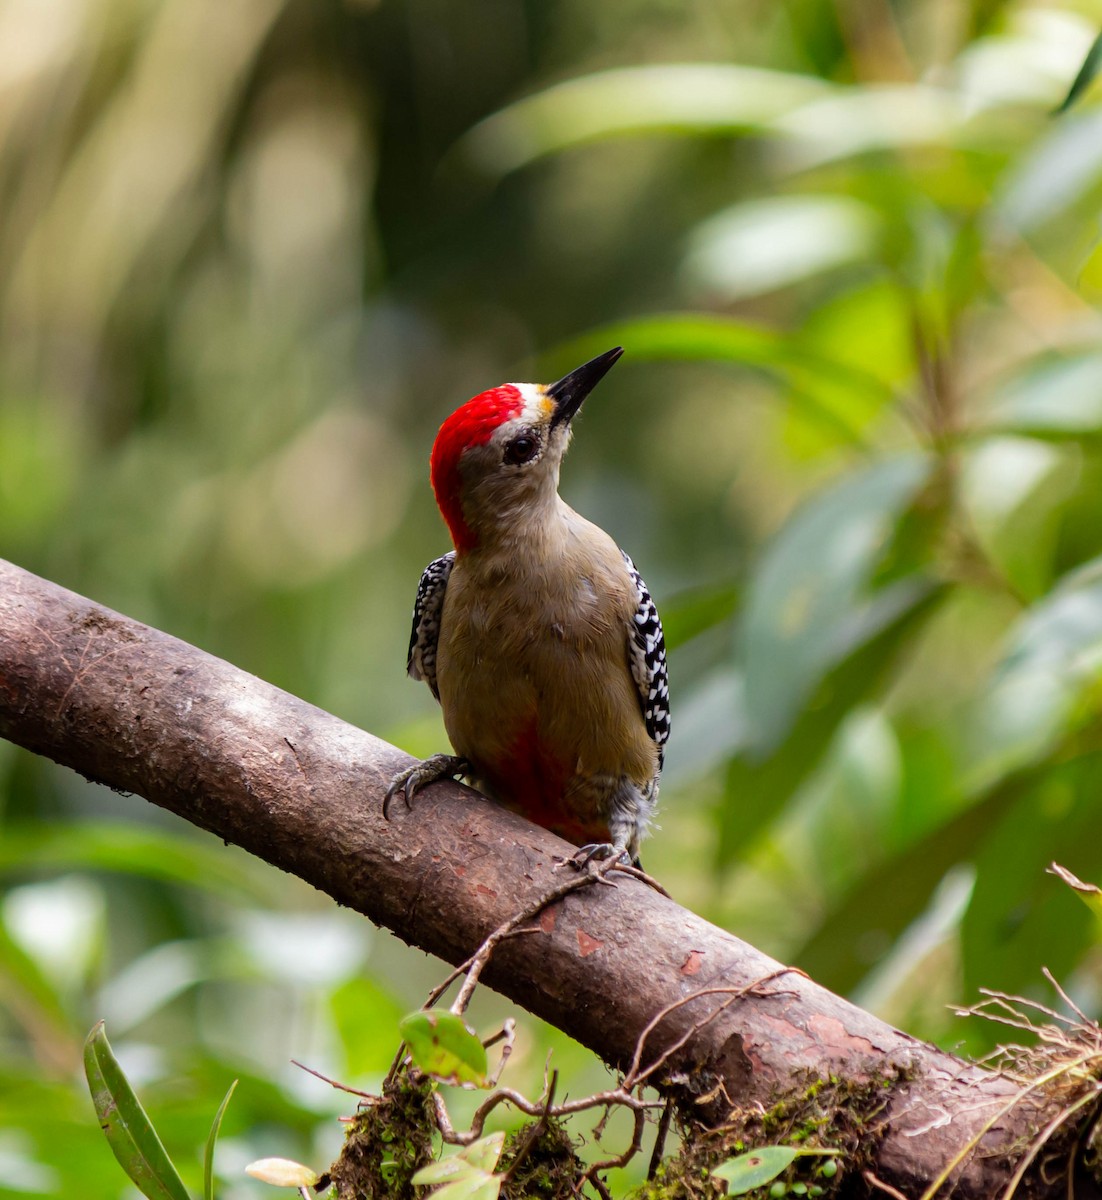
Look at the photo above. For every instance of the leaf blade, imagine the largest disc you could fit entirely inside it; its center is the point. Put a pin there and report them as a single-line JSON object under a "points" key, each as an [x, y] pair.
{"points": [[445, 1047], [128, 1129], [806, 593], [757, 1167], [468, 1175], [1084, 77], [698, 98], [212, 1139], [486, 1152]]}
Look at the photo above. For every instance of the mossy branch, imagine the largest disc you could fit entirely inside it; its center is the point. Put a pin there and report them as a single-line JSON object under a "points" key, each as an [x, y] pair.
{"points": [[143, 712]]}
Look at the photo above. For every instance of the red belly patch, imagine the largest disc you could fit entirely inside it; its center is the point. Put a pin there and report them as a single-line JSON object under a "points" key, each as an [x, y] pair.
{"points": [[534, 782]]}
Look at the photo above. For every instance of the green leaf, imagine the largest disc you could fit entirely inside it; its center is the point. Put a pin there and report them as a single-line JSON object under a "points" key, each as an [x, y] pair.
{"points": [[1055, 397], [1086, 76], [806, 601], [443, 1046], [701, 98], [1055, 175], [692, 612], [758, 246], [476, 1186], [757, 789], [685, 337], [480, 1156], [30, 997], [846, 122], [1014, 489], [467, 1175], [178, 857], [867, 327], [752, 1170], [1089, 893], [897, 890], [212, 1139], [129, 1131], [1017, 921], [486, 1152], [692, 337], [1047, 684], [443, 1171]]}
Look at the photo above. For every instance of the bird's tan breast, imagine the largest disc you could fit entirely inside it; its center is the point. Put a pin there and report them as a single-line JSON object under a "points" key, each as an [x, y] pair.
{"points": [[536, 661]]}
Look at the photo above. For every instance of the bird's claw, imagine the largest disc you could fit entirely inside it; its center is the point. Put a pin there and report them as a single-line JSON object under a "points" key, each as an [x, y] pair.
{"points": [[600, 852], [410, 781], [606, 858], [599, 860], [400, 783]]}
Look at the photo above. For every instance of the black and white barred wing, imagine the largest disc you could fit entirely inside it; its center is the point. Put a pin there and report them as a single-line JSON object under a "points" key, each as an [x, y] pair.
{"points": [[421, 663], [647, 658]]}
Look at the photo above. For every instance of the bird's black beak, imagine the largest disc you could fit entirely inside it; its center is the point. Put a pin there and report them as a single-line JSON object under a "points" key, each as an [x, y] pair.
{"points": [[572, 389]]}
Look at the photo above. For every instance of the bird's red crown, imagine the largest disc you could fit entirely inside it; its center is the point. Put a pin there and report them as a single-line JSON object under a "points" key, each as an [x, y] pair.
{"points": [[473, 424]]}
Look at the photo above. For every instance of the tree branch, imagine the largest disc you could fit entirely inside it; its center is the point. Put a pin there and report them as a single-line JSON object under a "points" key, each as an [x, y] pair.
{"points": [[143, 712]]}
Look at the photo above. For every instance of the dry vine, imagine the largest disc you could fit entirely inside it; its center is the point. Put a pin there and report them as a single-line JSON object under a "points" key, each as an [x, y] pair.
{"points": [[1067, 1056]]}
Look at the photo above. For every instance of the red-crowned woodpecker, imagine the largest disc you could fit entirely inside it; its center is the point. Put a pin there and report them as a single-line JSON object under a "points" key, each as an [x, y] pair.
{"points": [[536, 633]]}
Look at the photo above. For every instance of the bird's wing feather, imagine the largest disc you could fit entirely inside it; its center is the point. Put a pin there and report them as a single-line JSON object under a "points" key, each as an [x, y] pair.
{"points": [[421, 663], [647, 658]]}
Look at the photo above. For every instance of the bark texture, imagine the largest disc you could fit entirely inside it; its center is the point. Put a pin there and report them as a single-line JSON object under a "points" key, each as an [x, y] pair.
{"points": [[143, 712]]}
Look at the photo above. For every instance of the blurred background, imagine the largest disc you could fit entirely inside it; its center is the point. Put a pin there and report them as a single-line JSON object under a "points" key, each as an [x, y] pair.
{"points": [[252, 253]]}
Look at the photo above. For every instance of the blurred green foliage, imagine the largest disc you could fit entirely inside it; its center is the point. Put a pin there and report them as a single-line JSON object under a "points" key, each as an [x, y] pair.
{"points": [[252, 253]]}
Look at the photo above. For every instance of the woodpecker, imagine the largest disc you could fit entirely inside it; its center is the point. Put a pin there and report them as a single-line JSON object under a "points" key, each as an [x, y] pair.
{"points": [[536, 633]]}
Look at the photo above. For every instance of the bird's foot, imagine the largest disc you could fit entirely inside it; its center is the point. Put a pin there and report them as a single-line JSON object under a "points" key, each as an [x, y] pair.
{"points": [[604, 857], [607, 858], [410, 781], [599, 852]]}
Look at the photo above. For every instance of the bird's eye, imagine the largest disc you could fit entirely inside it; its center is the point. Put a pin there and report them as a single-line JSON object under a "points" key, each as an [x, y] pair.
{"points": [[521, 449]]}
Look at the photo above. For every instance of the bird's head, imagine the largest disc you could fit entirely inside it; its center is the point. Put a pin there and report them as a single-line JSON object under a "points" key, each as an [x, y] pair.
{"points": [[496, 459]]}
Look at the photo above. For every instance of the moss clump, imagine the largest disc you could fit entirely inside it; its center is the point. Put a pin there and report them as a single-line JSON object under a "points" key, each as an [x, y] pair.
{"points": [[549, 1169], [390, 1138], [387, 1141], [818, 1114]]}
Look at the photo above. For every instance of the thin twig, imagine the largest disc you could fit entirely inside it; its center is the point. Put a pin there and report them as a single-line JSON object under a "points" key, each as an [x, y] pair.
{"points": [[545, 1108], [1042, 1137], [535, 1132], [478, 964], [1086, 1021], [1026, 1002], [635, 1076], [509, 1032], [395, 1066], [526, 1106], [474, 965], [1013, 1102], [872, 1180], [602, 1190], [660, 1139], [621, 1160], [447, 1129], [598, 1131], [333, 1083], [499, 935]]}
